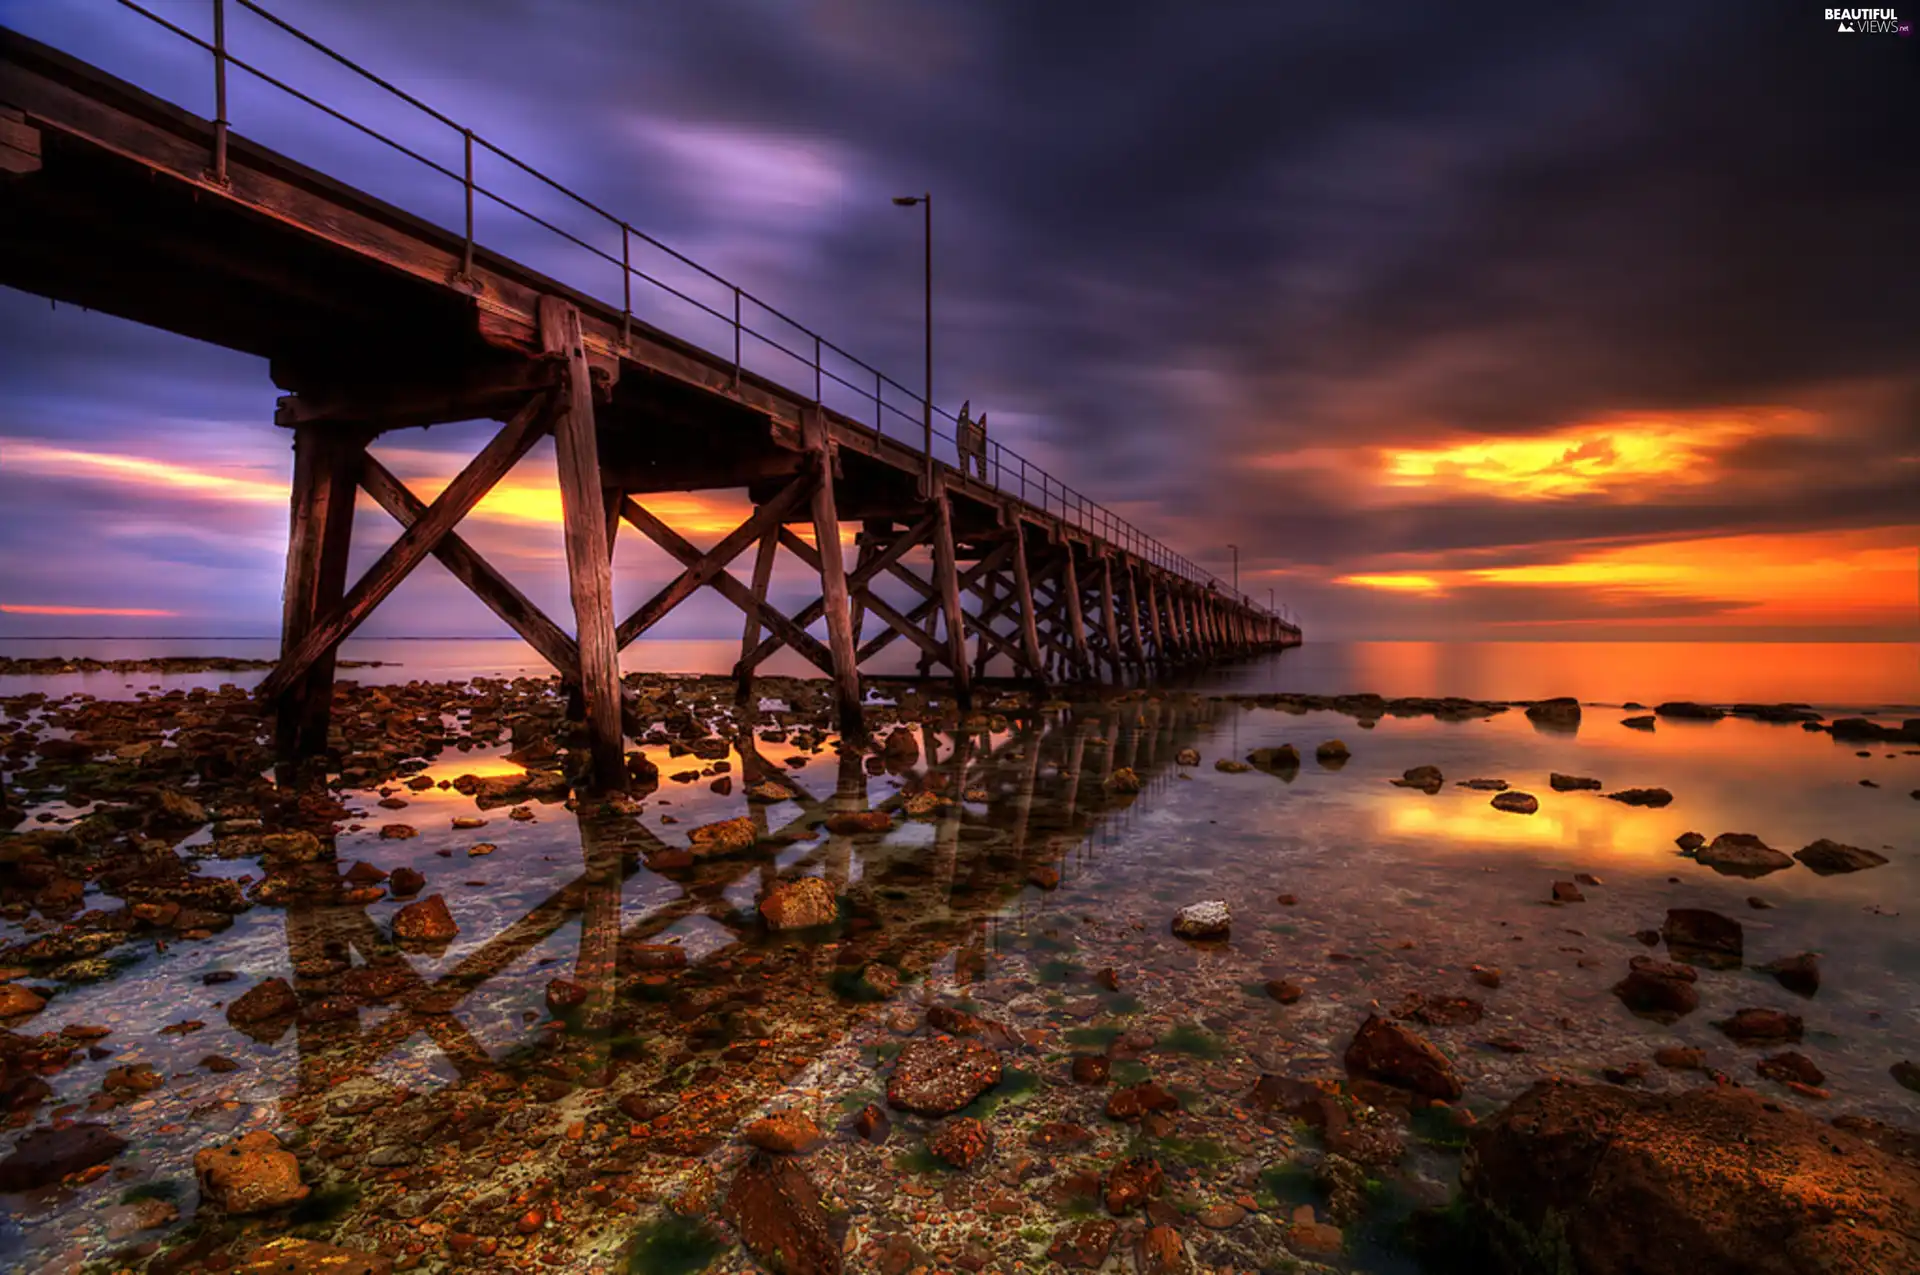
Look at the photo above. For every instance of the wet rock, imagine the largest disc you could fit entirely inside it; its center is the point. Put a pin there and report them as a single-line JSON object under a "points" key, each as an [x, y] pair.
{"points": [[1562, 712], [1058, 1135], [289, 1255], [1091, 1069], [1791, 1068], [1187, 757], [1124, 780], [564, 994], [1799, 974], [1485, 785], [1283, 991], [1567, 892], [134, 1078], [1680, 1058], [727, 836], [766, 792], [1762, 1026], [852, 822], [656, 956], [1741, 854], [1322, 1239], [1284, 757], [1427, 779], [427, 921], [1484, 975], [1654, 797], [262, 1003], [17, 1001], [879, 980], [1700, 937], [1658, 990], [1136, 1102], [901, 747], [1227, 766], [776, 1211], [800, 904], [961, 1142], [1644, 722], [405, 883], [1830, 858], [398, 832], [1516, 803], [1385, 1051], [43, 1156], [940, 1075], [1044, 877], [1209, 920], [1906, 1074], [1132, 1183], [1084, 1245], [873, 1124], [1332, 753], [1572, 783], [1159, 1251], [251, 1175], [788, 1132], [394, 1155], [1598, 1179], [1689, 842], [1686, 708]]}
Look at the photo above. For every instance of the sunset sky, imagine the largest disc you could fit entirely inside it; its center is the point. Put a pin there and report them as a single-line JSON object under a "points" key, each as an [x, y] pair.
{"points": [[1463, 321]]}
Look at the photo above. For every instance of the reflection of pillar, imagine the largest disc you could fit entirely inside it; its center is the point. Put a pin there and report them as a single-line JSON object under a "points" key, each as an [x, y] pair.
{"points": [[1023, 800], [308, 928], [946, 839], [597, 968]]}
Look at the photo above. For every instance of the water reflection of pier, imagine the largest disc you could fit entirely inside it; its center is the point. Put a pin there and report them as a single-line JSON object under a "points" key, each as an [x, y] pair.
{"points": [[909, 901]]}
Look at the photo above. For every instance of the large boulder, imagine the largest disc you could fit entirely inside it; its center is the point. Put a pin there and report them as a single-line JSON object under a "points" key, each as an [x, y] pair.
{"points": [[251, 1175], [1830, 858], [1602, 1180], [776, 1211], [1741, 854], [44, 1156], [1559, 713], [1385, 1051]]}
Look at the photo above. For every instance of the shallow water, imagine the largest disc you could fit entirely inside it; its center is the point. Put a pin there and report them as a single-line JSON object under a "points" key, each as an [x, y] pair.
{"points": [[1394, 891]]}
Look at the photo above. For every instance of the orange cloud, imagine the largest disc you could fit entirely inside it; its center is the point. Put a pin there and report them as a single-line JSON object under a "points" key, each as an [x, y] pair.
{"points": [[22, 608], [1396, 583]]}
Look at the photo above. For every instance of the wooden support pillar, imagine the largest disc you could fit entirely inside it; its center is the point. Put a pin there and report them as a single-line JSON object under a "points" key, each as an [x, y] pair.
{"points": [[946, 576], [1133, 621], [1023, 585], [326, 474], [1153, 618], [750, 636], [833, 589], [1110, 616], [1076, 618], [583, 514]]}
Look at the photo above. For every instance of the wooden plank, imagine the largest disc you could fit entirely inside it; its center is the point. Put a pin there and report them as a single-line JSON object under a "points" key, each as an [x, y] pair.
{"points": [[414, 544], [729, 588], [947, 575], [765, 520], [555, 645], [325, 466], [583, 520], [491, 392], [750, 634], [833, 589]]}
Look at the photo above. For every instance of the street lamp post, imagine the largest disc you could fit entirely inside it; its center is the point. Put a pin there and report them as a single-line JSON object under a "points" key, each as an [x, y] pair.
{"points": [[1236, 568], [926, 413]]}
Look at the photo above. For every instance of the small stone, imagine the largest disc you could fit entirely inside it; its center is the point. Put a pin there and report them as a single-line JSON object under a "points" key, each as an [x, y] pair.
{"points": [[405, 882], [251, 1175], [1517, 803], [1332, 753], [1427, 779], [961, 1142], [1091, 1069], [1567, 892], [1483, 975], [938, 1076], [728, 836], [1906, 1074], [1045, 877], [1749, 1026], [1124, 780], [1658, 990], [853, 822], [800, 904], [1187, 757], [1083, 1244], [270, 999], [1643, 722], [1689, 842], [1385, 1051], [788, 1132], [1283, 991], [398, 832], [1741, 854], [1830, 858], [427, 921], [45, 1155], [1209, 920], [1228, 766], [1680, 1058], [1799, 974], [776, 1211], [1138, 1101], [1132, 1183], [872, 1124], [1705, 938], [19, 1002], [1654, 797], [1572, 783], [1791, 1068]]}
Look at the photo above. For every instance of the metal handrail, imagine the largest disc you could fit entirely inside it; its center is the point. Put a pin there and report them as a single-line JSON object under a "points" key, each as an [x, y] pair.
{"points": [[1001, 468]]}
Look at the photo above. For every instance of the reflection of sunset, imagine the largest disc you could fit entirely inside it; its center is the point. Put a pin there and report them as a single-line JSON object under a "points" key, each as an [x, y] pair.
{"points": [[1586, 458], [23, 608]]}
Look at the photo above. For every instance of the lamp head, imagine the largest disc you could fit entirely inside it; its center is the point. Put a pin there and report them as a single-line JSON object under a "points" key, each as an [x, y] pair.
{"points": [[906, 201]]}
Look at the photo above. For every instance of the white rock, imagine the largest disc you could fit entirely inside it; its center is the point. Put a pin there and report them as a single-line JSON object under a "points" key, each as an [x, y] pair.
{"points": [[1208, 920]]}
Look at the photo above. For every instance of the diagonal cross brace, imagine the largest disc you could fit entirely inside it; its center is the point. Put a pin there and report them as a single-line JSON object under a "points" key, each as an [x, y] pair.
{"points": [[857, 581]]}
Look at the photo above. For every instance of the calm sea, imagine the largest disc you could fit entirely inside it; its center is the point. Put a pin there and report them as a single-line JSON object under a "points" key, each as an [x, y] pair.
{"points": [[1829, 676]]}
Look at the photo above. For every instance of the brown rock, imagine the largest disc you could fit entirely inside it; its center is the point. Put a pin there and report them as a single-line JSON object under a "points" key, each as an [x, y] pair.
{"points": [[1700, 937], [1689, 842], [45, 1155], [1680, 1058], [1515, 802], [1440, 1011], [961, 1141], [1796, 973], [728, 836], [1132, 1183], [1083, 1244], [1906, 1074], [1187, 757], [1160, 1252], [788, 1132], [1608, 1181], [940, 1075], [290, 1256], [1427, 779], [1483, 975], [776, 1212], [1572, 783], [427, 921], [1137, 1101], [1762, 1026], [1567, 892], [800, 904], [1561, 712], [267, 1000], [1124, 780], [18, 1002], [1058, 1135], [1385, 1051], [1655, 797], [1321, 1239], [852, 822], [1045, 876], [405, 882], [1091, 1069], [1332, 753], [1741, 854], [1283, 991], [1830, 858], [872, 1124], [1791, 1068], [1658, 990], [250, 1175]]}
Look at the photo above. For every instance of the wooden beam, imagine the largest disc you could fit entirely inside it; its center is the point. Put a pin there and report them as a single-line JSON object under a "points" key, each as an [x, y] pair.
{"points": [[326, 464], [1023, 597], [767, 519], [1153, 616], [1076, 619], [750, 635], [1133, 618], [727, 587], [889, 615], [1109, 614], [414, 544], [947, 575], [881, 641], [833, 589], [583, 521], [856, 583], [492, 392], [554, 644]]}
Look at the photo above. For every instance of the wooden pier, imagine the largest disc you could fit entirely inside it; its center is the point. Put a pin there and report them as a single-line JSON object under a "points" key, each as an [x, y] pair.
{"points": [[373, 319]]}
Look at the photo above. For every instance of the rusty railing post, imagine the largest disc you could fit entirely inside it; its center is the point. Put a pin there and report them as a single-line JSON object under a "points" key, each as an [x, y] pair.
{"points": [[466, 250], [220, 91]]}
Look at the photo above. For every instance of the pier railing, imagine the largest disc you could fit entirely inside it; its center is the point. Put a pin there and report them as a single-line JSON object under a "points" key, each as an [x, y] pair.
{"points": [[680, 296]]}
